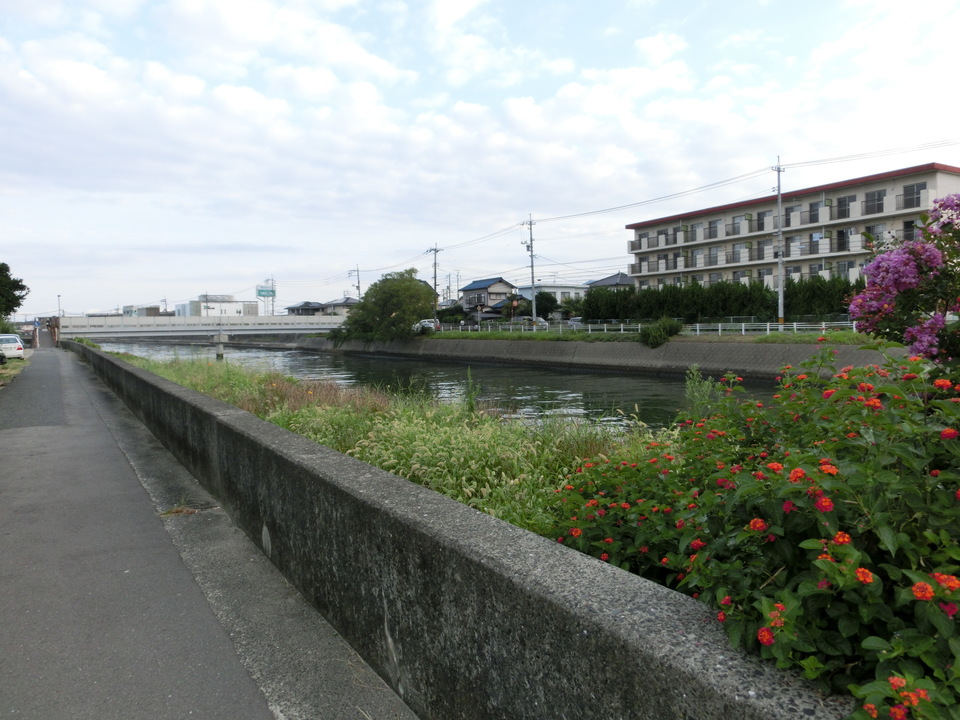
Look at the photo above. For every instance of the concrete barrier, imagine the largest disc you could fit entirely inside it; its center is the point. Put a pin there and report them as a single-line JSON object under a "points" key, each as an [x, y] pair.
{"points": [[467, 617]]}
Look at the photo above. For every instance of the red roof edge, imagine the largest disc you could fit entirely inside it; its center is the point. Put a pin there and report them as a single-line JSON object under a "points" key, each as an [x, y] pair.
{"points": [[916, 169]]}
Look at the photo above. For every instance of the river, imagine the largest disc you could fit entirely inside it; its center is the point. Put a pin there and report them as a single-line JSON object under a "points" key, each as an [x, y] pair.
{"points": [[516, 391]]}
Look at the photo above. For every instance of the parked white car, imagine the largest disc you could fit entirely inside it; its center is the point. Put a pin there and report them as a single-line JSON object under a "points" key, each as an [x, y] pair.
{"points": [[424, 325], [11, 346]]}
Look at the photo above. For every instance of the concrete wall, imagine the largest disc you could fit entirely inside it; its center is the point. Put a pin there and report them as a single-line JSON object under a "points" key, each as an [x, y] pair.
{"points": [[467, 617], [751, 360]]}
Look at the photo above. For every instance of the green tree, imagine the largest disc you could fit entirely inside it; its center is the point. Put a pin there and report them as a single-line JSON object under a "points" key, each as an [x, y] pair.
{"points": [[390, 308], [12, 292], [547, 304]]}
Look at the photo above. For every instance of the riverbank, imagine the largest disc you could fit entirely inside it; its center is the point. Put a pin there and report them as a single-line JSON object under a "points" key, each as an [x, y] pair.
{"points": [[751, 360]]}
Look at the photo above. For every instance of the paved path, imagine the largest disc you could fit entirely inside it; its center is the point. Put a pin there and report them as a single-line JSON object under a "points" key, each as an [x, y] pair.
{"points": [[113, 609]]}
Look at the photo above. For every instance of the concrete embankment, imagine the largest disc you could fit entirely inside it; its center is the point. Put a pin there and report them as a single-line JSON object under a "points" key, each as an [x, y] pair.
{"points": [[750, 360], [466, 617]]}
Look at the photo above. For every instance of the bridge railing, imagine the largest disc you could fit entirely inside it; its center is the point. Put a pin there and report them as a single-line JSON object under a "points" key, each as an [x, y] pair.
{"points": [[209, 325]]}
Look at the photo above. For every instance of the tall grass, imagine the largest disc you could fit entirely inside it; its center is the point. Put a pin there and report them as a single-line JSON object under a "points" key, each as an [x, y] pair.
{"points": [[506, 468]]}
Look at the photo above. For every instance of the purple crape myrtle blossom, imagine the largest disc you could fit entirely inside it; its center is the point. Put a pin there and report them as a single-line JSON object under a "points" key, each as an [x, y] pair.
{"points": [[923, 336], [890, 274], [945, 215]]}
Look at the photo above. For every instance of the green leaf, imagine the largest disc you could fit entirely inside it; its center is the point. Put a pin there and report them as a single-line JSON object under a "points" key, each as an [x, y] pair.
{"points": [[876, 643], [888, 539]]}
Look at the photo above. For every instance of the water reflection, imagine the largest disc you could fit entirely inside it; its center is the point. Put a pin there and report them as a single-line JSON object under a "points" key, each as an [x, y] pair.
{"points": [[516, 391]]}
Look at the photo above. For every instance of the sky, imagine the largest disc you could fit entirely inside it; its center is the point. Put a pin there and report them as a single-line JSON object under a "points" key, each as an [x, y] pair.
{"points": [[155, 150]]}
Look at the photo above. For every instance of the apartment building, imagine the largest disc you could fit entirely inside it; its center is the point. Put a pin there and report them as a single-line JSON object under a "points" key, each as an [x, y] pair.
{"points": [[823, 231]]}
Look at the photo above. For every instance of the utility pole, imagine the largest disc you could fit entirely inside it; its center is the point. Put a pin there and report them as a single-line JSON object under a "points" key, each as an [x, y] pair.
{"points": [[357, 272], [436, 297], [533, 286], [778, 168]]}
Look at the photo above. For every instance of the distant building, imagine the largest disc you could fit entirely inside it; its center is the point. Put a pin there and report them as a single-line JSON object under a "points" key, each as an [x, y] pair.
{"points": [[824, 231], [487, 296], [305, 308], [617, 281], [341, 306], [145, 311], [217, 306]]}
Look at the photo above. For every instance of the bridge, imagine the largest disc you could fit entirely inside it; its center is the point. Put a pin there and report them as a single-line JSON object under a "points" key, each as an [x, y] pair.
{"points": [[120, 326]]}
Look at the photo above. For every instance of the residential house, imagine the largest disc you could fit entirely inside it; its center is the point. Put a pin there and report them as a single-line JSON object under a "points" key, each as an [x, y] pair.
{"points": [[487, 296]]}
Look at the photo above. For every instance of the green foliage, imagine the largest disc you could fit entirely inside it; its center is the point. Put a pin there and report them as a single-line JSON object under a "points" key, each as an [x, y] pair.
{"points": [[547, 304], [823, 526], [660, 332], [12, 292], [693, 302], [389, 309]]}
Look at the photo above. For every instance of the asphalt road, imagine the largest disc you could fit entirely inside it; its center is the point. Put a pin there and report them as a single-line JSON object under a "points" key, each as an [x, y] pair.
{"points": [[113, 608]]}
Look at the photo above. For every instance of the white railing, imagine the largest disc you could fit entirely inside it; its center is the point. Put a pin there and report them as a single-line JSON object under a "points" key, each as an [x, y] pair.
{"points": [[118, 325], [721, 328]]}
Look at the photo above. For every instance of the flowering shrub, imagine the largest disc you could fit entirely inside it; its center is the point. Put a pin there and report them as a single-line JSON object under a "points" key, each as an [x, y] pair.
{"points": [[913, 287], [822, 526]]}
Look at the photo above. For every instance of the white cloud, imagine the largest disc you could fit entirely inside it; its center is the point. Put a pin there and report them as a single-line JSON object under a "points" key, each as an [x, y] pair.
{"points": [[658, 49]]}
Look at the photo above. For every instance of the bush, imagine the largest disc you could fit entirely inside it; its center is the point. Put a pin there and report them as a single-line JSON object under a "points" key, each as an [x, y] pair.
{"points": [[660, 332], [822, 527]]}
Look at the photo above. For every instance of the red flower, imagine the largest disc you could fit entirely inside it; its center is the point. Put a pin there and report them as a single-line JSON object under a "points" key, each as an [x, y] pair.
{"points": [[765, 636], [827, 394], [896, 682], [829, 469], [824, 504], [722, 616], [789, 507], [942, 384], [797, 474], [949, 608], [604, 557], [864, 575], [758, 525], [922, 591], [948, 434], [697, 544], [871, 709], [842, 538], [576, 532], [608, 541], [727, 600]]}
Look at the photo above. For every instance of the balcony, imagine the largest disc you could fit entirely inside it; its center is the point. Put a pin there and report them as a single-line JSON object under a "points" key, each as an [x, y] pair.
{"points": [[910, 201], [871, 207]]}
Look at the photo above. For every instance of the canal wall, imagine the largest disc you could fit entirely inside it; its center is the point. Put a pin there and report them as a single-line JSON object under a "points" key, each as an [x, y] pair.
{"points": [[747, 359], [465, 616]]}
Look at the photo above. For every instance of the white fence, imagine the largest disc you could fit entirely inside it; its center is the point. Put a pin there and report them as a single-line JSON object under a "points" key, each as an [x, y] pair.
{"points": [[721, 328]]}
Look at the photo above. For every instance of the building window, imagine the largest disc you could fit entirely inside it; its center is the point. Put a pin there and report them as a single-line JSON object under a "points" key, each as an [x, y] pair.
{"points": [[654, 241], [694, 233], [815, 269], [739, 275], [912, 196], [736, 227], [791, 246], [813, 247], [793, 270], [764, 273], [910, 230], [715, 277], [697, 279], [787, 212], [874, 202], [644, 284], [843, 241], [713, 255], [763, 218], [875, 231], [713, 229], [763, 250], [564, 295], [813, 215], [845, 266], [843, 206]]}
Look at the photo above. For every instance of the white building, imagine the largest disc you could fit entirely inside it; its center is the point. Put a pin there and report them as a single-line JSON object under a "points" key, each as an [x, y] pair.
{"points": [[823, 231], [217, 306]]}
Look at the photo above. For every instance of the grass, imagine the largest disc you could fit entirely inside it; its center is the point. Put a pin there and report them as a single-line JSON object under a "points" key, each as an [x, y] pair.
{"points": [[505, 468], [10, 369]]}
